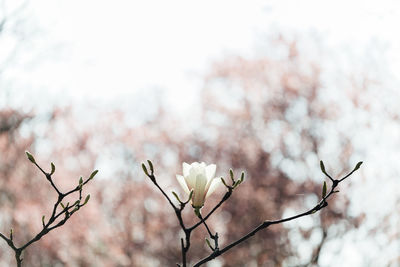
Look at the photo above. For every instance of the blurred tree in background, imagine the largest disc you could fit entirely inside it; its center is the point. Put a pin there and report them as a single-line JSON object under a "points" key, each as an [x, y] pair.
{"points": [[260, 115]]}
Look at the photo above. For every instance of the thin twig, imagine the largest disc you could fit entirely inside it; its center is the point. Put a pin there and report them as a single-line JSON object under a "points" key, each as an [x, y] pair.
{"points": [[322, 204], [185, 243], [67, 211], [224, 198]]}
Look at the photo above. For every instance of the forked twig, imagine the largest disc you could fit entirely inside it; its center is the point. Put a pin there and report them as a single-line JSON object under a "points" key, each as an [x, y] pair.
{"points": [[60, 210]]}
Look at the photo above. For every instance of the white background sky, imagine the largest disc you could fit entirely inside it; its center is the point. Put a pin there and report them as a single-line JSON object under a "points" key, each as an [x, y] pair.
{"points": [[102, 50]]}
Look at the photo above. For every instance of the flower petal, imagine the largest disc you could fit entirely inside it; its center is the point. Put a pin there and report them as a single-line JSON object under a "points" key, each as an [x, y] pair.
{"points": [[199, 191], [195, 164], [214, 185], [210, 171], [183, 184], [191, 178], [186, 167]]}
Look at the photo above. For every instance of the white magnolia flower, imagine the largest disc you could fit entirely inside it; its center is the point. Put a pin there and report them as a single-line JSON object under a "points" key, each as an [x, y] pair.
{"points": [[200, 178]]}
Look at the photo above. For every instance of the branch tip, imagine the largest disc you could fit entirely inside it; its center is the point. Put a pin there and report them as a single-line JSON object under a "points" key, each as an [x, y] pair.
{"points": [[358, 165], [53, 168], [176, 196], [209, 244], [322, 166], [231, 175], [30, 157], [223, 181], [145, 169], [151, 166], [93, 174], [86, 199], [324, 190]]}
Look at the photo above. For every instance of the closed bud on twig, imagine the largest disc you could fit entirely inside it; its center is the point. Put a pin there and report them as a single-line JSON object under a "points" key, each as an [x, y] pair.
{"points": [[80, 183], [145, 169], [93, 174], [30, 157], [43, 220], [11, 234], [86, 199], [176, 196], [62, 205], [151, 166], [358, 165], [236, 183], [223, 181], [324, 190], [321, 164], [209, 244], [53, 168], [231, 175], [242, 177]]}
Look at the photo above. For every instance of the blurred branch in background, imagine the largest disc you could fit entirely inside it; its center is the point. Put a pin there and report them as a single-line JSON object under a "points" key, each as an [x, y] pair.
{"points": [[11, 16]]}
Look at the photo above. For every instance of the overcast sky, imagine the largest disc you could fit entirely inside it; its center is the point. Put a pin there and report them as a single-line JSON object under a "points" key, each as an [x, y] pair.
{"points": [[104, 50]]}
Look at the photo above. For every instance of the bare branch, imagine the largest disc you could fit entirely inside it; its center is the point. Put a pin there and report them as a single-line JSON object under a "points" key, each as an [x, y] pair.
{"points": [[66, 212], [322, 204]]}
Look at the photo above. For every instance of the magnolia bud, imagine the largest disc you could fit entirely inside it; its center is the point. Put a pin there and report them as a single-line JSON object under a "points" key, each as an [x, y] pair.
{"points": [[223, 181], [321, 164], [176, 196], [324, 190], [30, 157], [231, 174], [151, 166], [86, 199], [358, 165], [145, 169], [93, 174], [80, 183], [209, 245], [53, 168]]}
